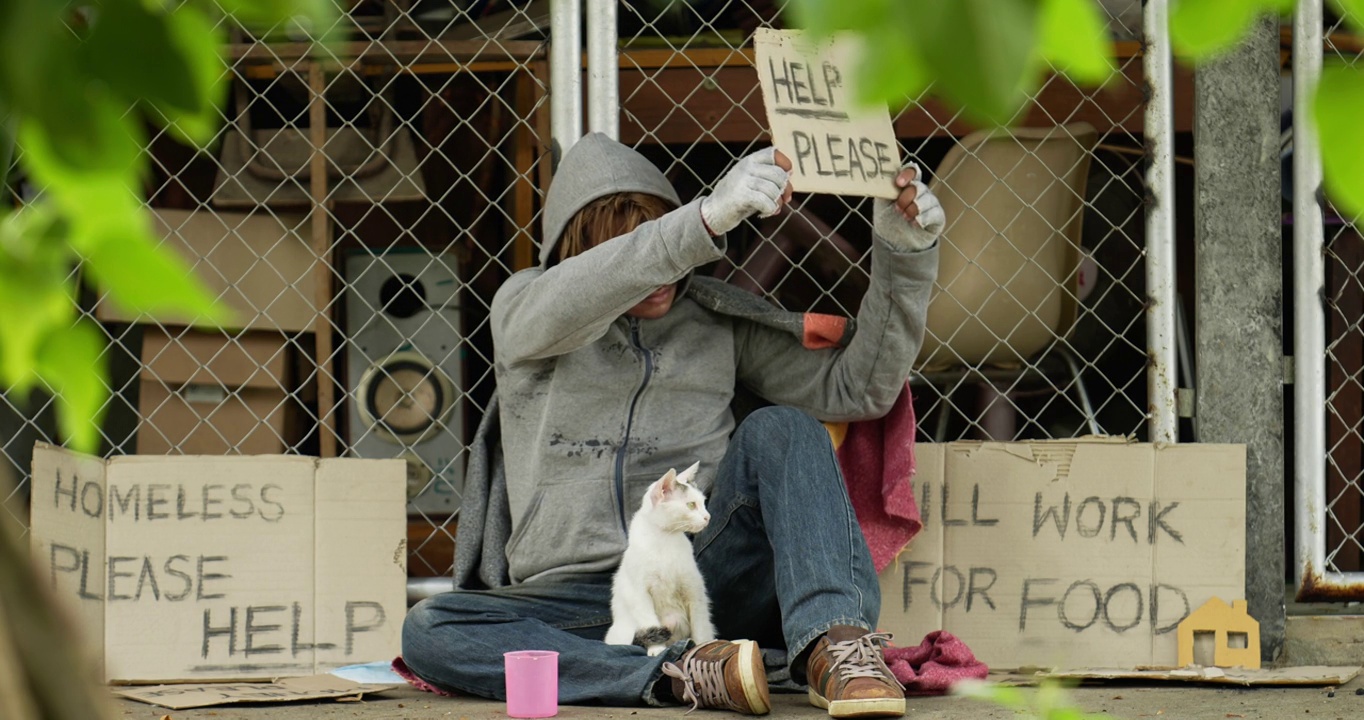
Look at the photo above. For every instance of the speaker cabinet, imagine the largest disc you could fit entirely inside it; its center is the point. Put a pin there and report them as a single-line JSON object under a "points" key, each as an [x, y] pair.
{"points": [[403, 370]]}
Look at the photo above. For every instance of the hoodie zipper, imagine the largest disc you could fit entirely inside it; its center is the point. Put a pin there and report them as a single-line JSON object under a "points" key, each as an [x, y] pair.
{"points": [[630, 420]]}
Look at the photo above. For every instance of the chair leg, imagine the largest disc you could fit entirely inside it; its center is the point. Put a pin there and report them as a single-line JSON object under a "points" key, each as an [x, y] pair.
{"points": [[1081, 393], [998, 418], [944, 415]]}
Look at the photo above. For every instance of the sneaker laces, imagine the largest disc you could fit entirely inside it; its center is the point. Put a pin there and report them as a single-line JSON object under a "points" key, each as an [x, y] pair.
{"points": [[862, 657], [703, 682]]}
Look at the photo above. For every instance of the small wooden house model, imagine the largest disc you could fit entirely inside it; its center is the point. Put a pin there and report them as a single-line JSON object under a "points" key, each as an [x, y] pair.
{"points": [[1224, 622]]}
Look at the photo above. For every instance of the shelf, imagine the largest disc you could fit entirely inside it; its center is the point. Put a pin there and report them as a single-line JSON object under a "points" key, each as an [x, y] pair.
{"points": [[418, 56]]}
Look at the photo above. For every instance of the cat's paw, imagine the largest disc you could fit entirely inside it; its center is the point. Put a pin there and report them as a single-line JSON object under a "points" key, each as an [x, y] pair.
{"points": [[656, 650], [652, 636]]}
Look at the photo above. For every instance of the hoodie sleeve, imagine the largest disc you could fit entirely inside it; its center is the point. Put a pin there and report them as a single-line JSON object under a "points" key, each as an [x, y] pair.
{"points": [[540, 313], [860, 381]]}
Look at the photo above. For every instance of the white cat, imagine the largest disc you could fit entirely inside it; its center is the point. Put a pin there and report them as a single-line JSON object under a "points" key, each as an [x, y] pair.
{"points": [[657, 595]]}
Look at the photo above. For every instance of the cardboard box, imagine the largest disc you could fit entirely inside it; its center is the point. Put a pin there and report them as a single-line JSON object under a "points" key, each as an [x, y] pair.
{"points": [[259, 264], [1068, 554], [210, 394], [227, 568]]}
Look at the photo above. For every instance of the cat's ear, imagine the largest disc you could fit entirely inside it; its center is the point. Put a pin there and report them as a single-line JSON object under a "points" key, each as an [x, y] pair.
{"points": [[688, 476], [665, 486]]}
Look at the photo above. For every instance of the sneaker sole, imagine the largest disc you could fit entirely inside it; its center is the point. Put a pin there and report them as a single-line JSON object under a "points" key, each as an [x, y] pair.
{"points": [[753, 676], [871, 707]]}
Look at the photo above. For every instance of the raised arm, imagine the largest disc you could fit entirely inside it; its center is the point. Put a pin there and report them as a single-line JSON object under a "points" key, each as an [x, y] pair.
{"points": [[541, 313], [861, 380]]}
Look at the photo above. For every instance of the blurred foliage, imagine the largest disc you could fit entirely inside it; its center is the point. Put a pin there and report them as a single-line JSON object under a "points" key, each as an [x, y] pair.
{"points": [[1200, 30], [987, 58], [80, 83], [1049, 701]]}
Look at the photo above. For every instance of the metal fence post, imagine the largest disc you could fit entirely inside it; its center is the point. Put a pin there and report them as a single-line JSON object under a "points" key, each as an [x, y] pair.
{"points": [[1160, 226], [565, 74], [1309, 317], [603, 73]]}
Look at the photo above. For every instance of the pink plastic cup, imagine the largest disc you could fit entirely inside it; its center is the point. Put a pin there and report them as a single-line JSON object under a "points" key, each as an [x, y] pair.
{"points": [[532, 683]]}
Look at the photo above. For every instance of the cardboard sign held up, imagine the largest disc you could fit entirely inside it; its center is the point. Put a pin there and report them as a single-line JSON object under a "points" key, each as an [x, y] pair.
{"points": [[836, 146]]}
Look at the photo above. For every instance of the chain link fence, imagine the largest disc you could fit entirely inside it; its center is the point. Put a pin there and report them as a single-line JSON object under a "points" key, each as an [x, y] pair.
{"points": [[360, 215], [1344, 259]]}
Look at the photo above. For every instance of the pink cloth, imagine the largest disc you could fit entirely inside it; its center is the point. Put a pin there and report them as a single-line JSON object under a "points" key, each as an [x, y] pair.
{"points": [[402, 669], [877, 459], [938, 663]]}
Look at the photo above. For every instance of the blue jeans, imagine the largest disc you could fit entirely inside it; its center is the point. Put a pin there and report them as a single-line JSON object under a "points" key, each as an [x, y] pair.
{"points": [[783, 558]]}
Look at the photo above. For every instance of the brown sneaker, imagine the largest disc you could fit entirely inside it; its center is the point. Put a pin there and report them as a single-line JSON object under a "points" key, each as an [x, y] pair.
{"points": [[722, 675], [848, 675]]}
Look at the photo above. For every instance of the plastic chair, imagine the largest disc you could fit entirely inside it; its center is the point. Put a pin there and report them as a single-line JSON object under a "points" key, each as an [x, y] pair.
{"points": [[1009, 257]]}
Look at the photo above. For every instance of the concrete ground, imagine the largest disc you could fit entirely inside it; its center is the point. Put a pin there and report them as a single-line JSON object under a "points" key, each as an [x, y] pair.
{"points": [[1176, 702]]}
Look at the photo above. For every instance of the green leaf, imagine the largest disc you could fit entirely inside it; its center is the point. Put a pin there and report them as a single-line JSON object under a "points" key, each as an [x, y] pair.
{"points": [[35, 291], [979, 53], [71, 363], [823, 17], [112, 148], [995, 694], [200, 44], [264, 13], [1074, 37], [32, 37], [1203, 29], [110, 229], [124, 258], [889, 70], [132, 49], [1337, 109], [320, 19], [1353, 10]]}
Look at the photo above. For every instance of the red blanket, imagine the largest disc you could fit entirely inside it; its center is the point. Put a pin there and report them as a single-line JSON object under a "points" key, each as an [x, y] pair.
{"points": [[877, 458], [938, 663]]}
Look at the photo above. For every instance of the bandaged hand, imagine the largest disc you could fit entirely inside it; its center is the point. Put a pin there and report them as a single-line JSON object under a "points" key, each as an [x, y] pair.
{"points": [[914, 220], [756, 185]]}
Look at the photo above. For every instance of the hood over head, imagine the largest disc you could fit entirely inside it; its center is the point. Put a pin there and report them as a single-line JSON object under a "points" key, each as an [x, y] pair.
{"points": [[596, 166]]}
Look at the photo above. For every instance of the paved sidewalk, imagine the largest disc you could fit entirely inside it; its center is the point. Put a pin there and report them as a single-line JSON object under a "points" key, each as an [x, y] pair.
{"points": [[1173, 702]]}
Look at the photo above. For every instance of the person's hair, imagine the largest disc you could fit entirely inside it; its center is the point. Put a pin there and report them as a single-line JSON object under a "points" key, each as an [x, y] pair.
{"points": [[607, 217]]}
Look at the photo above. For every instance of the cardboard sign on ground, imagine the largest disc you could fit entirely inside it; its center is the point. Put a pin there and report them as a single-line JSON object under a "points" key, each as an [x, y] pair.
{"points": [[1070, 554], [313, 687], [1309, 675], [835, 145], [227, 568]]}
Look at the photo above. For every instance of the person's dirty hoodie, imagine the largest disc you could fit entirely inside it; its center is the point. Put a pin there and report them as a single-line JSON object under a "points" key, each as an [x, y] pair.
{"points": [[596, 405]]}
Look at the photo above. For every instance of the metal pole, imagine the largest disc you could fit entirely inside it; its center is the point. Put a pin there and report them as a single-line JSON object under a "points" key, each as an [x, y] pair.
{"points": [[1309, 317], [565, 74], [1160, 226], [603, 74]]}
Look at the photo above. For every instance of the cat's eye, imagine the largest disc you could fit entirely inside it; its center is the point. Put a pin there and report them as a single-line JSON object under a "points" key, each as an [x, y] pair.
{"points": [[691, 506]]}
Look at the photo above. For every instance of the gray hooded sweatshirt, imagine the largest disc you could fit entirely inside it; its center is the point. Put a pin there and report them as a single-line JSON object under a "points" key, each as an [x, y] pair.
{"points": [[596, 405]]}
